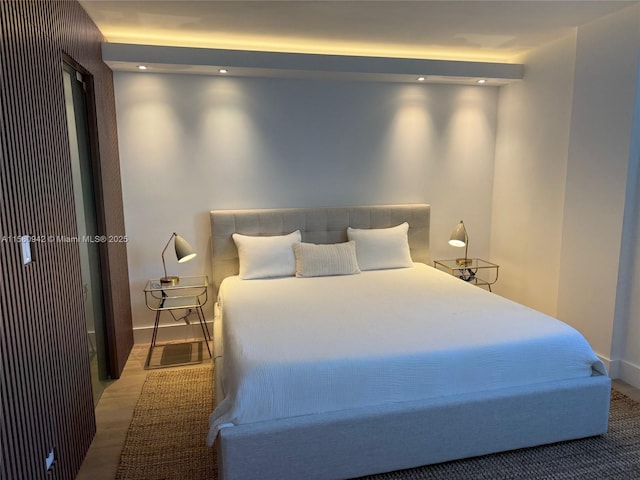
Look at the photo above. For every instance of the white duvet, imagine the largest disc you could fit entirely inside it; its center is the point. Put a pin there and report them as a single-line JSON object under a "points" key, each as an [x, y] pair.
{"points": [[301, 346]]}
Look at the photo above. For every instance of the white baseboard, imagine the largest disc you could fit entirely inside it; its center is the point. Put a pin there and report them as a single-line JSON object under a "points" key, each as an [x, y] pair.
{"points": [[622, 370], [630, 373], [171, 332], [613, 366]]}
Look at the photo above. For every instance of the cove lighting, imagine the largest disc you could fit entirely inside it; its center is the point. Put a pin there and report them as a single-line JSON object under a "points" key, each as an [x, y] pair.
{"points": [[275, 43]]}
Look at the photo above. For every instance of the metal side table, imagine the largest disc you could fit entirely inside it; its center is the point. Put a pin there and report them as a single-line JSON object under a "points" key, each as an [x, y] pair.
{"points": [[190, 293], [476, 271]]}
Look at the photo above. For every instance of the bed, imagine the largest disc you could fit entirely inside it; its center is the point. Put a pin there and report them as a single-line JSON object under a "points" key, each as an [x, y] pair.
{"points": [[341, 393]]}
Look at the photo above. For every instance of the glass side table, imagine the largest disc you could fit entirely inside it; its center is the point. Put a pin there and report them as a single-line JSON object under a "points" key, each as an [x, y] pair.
{"points": [[476, 271], [190, 293]]}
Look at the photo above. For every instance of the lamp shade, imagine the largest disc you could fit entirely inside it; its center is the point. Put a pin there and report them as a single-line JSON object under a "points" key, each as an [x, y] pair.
{"points": [[184, 252], [459, 236]]}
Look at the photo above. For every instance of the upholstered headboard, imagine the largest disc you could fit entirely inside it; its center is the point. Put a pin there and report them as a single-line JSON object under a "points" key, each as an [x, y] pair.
{"points": [[317, 225]]}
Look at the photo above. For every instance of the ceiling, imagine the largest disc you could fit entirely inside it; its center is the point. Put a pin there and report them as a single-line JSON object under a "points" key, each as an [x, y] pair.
{"points": [[487, 31]]}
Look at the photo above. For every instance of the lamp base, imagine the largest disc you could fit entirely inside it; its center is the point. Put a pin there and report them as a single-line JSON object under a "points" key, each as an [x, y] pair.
{"points": [[464, 261], [170, 280]]}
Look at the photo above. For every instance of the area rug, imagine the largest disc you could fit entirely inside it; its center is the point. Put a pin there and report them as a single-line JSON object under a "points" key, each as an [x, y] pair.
{"points": [[166, 438], [166, 442]]}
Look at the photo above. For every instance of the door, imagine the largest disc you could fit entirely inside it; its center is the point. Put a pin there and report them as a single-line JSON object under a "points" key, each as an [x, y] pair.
{"points": [[89, 239]]}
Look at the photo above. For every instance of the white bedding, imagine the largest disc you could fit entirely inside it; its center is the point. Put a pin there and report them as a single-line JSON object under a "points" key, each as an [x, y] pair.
{"points": [[300, 346]]}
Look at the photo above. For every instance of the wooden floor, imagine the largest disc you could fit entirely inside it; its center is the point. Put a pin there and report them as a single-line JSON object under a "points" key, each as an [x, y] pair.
{"points": [[115, 411], [113, 416]]}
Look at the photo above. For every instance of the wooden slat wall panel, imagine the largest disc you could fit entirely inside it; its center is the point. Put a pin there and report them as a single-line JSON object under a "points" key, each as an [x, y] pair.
{"points": [[45, 387]]}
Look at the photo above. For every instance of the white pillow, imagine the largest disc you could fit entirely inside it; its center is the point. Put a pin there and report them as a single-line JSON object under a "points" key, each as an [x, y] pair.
{"points": [[324, 260], [381, 248], [266, 257]]}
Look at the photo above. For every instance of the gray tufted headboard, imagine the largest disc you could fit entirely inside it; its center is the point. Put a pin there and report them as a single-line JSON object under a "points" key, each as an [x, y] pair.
{"points": [[317, 225]]}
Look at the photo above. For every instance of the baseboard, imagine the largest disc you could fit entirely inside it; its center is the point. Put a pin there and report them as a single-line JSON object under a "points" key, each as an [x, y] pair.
{"points": [[629, 373], [171, 332], [613, 366], [622, 370]]}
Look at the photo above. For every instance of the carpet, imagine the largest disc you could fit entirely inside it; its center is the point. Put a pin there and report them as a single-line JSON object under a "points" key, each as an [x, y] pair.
{"points": [[166, 438], [166, 441]]}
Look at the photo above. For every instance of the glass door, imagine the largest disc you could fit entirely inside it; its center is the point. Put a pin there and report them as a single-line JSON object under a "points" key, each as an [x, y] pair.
{"points": [[85, 205]]}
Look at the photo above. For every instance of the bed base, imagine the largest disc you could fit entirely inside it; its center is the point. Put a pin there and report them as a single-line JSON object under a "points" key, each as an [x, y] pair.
{"points": [[380, 439]]}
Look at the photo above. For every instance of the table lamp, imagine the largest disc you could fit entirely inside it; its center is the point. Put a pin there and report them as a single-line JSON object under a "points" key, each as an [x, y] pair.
{"points": [[459, 238], [184, 253]]}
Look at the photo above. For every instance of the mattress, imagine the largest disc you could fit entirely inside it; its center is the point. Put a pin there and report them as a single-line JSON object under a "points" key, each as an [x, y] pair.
{"points": [[303, 346]]}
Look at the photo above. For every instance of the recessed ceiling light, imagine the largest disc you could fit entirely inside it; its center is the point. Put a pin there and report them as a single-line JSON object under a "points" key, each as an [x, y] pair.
{"points": [[481, 81], [421, 79], [142, 67], [223, 70]]}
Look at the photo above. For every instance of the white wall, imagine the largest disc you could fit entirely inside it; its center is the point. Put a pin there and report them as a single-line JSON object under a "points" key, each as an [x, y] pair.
{"points": [[626, 335], [534, 118], [565, 211], [598, 160], [189, 144]]}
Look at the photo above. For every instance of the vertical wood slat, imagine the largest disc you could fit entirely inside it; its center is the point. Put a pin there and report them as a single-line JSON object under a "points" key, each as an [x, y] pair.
{"points": [[16, 362], [45, 389]]}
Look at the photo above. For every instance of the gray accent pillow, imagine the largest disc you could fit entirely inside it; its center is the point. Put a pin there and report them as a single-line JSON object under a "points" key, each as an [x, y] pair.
{"points": [[323, 260]]}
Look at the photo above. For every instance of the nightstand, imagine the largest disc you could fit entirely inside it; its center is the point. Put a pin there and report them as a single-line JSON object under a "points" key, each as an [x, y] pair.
{"points": [[190, 293], [477, 271]]}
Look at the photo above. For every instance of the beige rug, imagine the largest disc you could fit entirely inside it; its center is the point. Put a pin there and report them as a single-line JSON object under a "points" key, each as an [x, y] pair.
{"points": [[166, 442], [166, 438]]}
